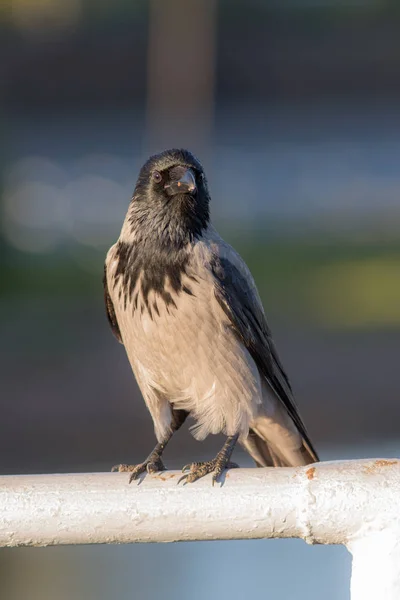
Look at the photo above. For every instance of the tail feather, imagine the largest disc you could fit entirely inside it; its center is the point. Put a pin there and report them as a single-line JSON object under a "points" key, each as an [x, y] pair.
{"points": [[262, 452], [257, 449], [267, 454], [275, 438]]}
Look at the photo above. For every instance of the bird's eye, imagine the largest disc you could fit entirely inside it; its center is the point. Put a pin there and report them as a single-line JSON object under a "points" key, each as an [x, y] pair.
{"points": [[157, 176]]}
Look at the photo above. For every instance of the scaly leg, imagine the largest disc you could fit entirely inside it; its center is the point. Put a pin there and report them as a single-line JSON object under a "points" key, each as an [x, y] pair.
{"points": [[153, 462], [217, 465]]}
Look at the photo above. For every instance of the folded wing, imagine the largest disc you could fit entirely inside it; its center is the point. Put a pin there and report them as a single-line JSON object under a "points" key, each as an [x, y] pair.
{"points": [[236, 293]]}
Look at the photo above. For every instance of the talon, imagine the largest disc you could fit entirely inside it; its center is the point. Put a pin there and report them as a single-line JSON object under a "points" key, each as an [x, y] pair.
{"points": [[199, 469], [217, 473], [134, 476]]}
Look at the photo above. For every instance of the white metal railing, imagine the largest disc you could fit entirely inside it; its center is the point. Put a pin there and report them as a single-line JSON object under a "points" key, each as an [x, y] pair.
{"points": [[355, 503]]}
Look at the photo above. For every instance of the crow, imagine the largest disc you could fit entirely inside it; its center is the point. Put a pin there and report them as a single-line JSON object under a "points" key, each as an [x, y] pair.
{"points": [[186, 308]]}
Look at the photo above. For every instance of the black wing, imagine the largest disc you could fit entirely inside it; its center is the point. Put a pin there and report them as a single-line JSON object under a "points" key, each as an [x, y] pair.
{"points": [[239, 300], [112, 319]]}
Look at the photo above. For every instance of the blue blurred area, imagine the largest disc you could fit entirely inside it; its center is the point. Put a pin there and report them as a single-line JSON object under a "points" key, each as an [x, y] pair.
{"points": [[292, 107], [284, 568]]}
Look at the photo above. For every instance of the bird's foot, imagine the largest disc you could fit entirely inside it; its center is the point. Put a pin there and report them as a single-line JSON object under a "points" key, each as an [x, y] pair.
{"points": [[153, 464], [198, 469]]}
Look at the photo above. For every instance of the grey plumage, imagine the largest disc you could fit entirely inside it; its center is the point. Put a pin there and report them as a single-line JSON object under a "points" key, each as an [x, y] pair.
{"points": [[187, 310]]}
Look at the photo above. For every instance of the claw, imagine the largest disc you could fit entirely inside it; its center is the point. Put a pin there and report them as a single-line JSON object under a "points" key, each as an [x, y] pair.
{"points": [[198, 470], [135, 475], [192, 475], [217, 473]]}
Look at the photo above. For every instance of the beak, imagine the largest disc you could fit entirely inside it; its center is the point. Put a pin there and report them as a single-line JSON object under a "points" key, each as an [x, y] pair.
{"points": [[185, 185]]}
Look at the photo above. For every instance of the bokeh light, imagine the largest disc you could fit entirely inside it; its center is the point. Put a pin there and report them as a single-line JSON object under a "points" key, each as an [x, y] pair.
{"points": [[43, 17]]}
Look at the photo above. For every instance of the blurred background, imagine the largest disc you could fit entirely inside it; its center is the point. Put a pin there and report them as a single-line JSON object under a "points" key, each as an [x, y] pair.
{"points": [[293, 108]]}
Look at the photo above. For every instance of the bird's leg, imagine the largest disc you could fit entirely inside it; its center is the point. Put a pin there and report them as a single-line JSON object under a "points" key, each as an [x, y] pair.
{"points": [[153, 462], [217, 465]]}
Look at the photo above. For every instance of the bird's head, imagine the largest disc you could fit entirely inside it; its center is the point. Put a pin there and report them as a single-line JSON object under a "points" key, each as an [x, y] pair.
{"points": [[171, 196]]}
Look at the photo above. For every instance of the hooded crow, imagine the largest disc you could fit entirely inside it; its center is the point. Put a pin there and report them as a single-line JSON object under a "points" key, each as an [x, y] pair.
{"points": [[186, 308]]}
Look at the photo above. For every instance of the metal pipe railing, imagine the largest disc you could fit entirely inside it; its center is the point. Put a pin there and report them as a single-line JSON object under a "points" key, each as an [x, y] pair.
{"points": [[355, 503]]}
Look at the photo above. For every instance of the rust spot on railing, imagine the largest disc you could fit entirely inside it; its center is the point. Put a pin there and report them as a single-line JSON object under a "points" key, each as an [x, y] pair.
{"points": [[382, 462], [310, 473], [379, 464], [165, 476]]}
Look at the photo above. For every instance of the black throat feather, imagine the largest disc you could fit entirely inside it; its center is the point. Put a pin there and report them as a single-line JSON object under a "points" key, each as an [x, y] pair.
{"points": [[158, 256]]}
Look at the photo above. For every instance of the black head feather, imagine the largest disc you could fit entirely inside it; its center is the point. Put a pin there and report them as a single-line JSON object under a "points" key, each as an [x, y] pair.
{"points": [[162, 222], [172, 220]]}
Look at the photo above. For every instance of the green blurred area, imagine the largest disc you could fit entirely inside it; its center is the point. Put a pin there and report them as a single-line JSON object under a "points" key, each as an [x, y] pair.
{"points": [[329, 283]]}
